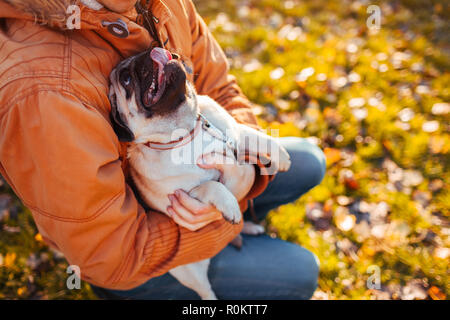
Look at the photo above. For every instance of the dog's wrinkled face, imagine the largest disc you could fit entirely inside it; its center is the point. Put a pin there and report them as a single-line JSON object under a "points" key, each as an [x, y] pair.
{"points": [[149, 86]]}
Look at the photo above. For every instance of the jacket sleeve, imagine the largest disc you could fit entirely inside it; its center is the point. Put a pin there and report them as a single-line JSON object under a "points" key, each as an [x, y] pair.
{"points": [[61, 157], [211, 71]]}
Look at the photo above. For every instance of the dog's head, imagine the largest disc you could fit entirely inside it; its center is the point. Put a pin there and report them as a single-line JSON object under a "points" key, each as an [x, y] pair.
{"points": [[145, 89]]}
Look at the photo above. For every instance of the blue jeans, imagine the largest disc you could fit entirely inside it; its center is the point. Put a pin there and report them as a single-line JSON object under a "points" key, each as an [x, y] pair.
{"points": [[264, 268]]}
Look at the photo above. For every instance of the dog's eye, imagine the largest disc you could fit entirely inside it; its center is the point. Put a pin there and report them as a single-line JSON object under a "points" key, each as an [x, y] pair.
{"points": [[125, 78]]}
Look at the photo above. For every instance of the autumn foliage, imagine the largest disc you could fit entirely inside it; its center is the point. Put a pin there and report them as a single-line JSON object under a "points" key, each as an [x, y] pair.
{"points": [[376, 102]]}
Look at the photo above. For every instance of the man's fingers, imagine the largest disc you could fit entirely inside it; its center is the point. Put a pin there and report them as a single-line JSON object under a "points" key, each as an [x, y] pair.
{"points": [[191, 203], [190, 217], [191, 213], [181, 222], [180, 210]]}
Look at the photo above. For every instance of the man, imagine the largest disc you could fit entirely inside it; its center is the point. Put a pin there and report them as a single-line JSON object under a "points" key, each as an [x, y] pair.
{"points": [[61, 156]]}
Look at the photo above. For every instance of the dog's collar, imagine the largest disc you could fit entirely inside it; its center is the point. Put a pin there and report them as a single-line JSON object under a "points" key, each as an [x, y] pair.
{"points": [[201, 124], [179, 142]]}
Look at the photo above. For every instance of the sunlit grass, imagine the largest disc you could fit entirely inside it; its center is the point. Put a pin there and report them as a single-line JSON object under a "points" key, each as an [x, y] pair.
{"points": [[376, 102]]}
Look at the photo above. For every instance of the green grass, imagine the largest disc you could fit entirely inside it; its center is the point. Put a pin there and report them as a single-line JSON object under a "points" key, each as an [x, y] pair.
{"points": [[371, 100], [368, 97]]}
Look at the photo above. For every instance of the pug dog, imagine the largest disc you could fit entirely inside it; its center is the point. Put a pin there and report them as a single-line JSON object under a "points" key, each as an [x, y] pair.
{"points": [[170, 128]]}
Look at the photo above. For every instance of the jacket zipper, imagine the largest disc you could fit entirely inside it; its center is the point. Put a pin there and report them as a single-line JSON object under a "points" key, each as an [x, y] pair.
{"points": [[146, 17]]}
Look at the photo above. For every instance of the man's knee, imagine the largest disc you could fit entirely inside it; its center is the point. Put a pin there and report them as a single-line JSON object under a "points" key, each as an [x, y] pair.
{"points": [[308, 160], [317, 164], [305, 281]]}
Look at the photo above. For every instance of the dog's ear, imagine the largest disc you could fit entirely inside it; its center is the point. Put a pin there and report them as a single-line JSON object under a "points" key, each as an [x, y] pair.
{"points": [[120, 128]]}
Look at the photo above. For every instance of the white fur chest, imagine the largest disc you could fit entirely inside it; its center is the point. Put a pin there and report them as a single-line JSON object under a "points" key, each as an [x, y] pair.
{"points": [[159, 172]]}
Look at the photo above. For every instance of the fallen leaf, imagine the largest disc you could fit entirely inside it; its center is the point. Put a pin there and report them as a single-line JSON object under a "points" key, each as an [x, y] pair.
{"points": [[38, 237], [437, 145], [345, 222], [351, 183], [406, 115], [332, 155], [440, 108], [277, 73], [9, 259], [442, 253], [343, 200], [430, 126], [436, 185], [436, 294], [332, 116], [21, 291], [356, 102], [414, 290]]}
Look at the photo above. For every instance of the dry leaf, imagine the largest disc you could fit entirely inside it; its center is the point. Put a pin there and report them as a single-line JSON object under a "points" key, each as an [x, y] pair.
{"points": [[38, 237], [9, 259], [332, 155], [345, 222], [436, 294]]}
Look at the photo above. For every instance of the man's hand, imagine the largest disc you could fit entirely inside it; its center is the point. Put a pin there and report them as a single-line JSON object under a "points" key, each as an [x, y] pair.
{"points": [[191, 213]]}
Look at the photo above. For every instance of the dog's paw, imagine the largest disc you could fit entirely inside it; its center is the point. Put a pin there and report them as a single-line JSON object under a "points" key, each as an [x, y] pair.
{"points": [[219, 196], [251, 228], [230, 211]]}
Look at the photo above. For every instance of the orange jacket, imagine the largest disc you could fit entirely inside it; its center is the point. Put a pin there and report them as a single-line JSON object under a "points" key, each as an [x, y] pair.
{"points": [[61, 156]]}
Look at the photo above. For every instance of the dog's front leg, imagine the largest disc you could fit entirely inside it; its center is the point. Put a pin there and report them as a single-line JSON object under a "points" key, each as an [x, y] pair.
{"points": [[195, 275]]}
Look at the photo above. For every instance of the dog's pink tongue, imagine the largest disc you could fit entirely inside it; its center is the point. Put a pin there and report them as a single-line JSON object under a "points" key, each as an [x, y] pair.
{"points": [[161, 57]]}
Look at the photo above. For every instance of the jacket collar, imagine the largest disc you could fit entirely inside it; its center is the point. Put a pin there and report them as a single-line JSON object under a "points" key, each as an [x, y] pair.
{"points": [[91, 18]]}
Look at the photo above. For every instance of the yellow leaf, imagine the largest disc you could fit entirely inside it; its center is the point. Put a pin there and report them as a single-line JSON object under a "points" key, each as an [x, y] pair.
{"points": [[38, 237], [387, 144], [332, 155], [436, 294], [9, 259], [369, 251], [21, 291], [438, 144]]}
